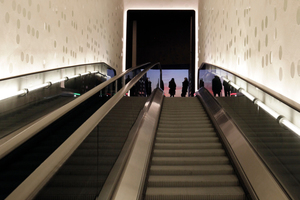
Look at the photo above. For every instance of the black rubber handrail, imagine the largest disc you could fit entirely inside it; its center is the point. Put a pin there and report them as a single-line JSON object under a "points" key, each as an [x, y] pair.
{"points": [[294, 105], [49, 70]]}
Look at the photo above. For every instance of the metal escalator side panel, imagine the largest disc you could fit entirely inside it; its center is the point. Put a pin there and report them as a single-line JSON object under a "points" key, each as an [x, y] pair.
{"points": [[132, 181], [260, 183]]}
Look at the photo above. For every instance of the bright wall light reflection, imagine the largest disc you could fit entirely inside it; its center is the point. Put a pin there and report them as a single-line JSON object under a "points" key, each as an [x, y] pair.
{"points": [[274, 114], [234, 85], [39, 86], [249, 96], [47, 84], [267, 109], [290, 125]]}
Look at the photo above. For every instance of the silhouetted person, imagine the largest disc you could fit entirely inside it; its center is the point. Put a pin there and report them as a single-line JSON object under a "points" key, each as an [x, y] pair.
{"points": [[148, 86], [216, 86], [185, 85], [226, 88], [162, 85], [127, 79], [201, 83], [172, 86]]}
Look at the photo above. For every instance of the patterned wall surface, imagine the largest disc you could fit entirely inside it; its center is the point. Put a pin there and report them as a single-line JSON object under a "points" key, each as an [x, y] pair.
{"points": [[258, 39], [37, 35]]}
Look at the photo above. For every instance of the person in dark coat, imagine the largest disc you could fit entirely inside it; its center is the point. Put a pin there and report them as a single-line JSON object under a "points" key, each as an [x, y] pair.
{"points": [[185, 85], [127, 79], [172, 86], [148, 86], [201, 83], [226, 88], [216, 86]]}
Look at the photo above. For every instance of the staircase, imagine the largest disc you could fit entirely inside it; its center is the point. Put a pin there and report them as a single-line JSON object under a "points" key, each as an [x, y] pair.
{"points": [[188, 160]]}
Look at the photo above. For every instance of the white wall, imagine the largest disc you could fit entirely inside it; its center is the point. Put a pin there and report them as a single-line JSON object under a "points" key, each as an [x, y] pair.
{"points": [[36, 35], [258, 39]]}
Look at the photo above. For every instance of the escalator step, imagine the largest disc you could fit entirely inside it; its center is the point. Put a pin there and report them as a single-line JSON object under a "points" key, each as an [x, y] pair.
{"points": [[193, 181], [190, 152], [217, 160], [195, 193], [191, 170]]}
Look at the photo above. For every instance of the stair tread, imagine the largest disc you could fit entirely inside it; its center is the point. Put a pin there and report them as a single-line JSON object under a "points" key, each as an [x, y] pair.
{"points": [[194, 178], [192, 191]]}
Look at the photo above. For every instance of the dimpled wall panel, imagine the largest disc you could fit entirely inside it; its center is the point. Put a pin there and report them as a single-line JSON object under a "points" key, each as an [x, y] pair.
{"points": [[44, 34], [258, 39]]}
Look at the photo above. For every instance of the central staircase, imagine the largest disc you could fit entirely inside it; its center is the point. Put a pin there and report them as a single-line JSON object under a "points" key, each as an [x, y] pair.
{"points": [[189, 161]]}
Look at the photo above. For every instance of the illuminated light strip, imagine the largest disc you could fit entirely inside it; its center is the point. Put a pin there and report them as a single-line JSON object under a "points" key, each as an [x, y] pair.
{"points": [[290, 125], [27, 90], [39, 86], [86, 73], [21, 92], [75, 76], [281, 119], [225, 79], [60, 80], [249, 96], [234, 85], [267, 109]]}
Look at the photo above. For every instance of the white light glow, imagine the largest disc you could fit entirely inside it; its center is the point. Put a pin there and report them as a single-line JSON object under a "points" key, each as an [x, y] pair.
{"points": [[196, 47], [8, 95], [267, 109], [290, 125], [225, 79], [249, 96], [75, 76], [47, 84], [58, 81], [38, 87], [86, 73], [234, 85], [124, 39]]}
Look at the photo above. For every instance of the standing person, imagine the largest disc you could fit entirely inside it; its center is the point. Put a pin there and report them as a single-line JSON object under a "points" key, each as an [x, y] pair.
{"points": [[226, 88], [148, 86], [185, 85], [127, 79], [172, 86], [216, 86], [201, 83]]}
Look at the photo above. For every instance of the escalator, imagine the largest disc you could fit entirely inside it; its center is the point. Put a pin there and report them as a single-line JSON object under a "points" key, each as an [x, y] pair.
{"points": [[191, 156], [22, 117], [84, 173], [277, 146], [189, 161], [19, 164]]}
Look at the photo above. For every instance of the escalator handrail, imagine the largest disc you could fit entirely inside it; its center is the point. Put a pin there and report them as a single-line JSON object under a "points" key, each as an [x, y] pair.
{"points": [[49, 70], [38, 179], [294, 105], [257, 178], [29, 132], [118, 169], [130, 184]]}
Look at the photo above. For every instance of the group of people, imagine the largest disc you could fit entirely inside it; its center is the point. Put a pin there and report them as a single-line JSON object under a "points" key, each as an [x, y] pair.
{"points": [[217, 87], [172, 86]]}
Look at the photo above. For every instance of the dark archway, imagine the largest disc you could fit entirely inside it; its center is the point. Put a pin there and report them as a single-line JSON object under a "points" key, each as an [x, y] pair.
{"points": [[165, 36]]}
